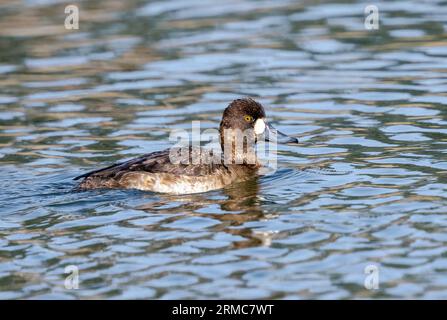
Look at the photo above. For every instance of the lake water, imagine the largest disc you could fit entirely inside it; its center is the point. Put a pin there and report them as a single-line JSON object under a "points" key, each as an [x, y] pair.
{"points": [[365, 189]]}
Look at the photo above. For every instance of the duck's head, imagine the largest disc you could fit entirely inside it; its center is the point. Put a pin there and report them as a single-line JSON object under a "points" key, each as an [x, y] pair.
{"points": [[244, 122]]}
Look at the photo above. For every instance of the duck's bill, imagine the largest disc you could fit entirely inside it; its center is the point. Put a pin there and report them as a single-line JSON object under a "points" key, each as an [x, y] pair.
{"points": [[274, 135]]}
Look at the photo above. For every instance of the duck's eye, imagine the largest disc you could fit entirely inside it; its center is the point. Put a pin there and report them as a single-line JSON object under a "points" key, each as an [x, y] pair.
{"points": [[248, 118]]}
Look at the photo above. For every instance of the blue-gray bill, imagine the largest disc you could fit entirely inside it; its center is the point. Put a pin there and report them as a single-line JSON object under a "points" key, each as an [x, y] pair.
{"points": [[274, 135]]}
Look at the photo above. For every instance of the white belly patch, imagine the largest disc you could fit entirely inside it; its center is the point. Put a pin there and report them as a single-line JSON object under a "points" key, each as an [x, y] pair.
{"points": [[169, 183]]}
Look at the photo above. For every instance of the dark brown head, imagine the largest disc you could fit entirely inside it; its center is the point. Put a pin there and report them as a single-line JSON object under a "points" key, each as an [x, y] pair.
{"points": [[242, 114], [248, 117]]}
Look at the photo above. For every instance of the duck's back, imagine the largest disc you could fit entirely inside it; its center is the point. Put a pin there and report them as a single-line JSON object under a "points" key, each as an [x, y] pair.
{"points": [[157, 172]]}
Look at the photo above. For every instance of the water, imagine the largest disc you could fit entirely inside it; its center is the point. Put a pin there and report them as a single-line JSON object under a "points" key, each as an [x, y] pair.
{"points": [[366, 186]]}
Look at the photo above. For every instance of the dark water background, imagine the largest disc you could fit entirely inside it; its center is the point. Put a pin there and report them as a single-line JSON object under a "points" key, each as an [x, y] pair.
{"points": [[367, 185]]}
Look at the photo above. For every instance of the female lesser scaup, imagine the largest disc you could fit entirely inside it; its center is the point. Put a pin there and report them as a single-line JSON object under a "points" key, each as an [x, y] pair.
{"points": [[158, 172]]}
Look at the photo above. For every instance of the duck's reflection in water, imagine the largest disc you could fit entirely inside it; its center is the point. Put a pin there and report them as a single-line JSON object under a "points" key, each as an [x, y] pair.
{"points": [[233, 207]]}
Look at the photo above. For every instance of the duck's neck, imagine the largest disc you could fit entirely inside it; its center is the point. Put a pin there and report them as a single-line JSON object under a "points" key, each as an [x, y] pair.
{"points": [[238, 149]]}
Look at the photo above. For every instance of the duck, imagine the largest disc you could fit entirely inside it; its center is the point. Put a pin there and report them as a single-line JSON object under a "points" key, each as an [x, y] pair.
{"points": [[187, 170]]}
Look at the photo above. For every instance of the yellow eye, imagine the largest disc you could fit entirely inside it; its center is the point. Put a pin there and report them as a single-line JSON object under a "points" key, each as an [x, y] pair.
{"points": [[248, 118]]}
